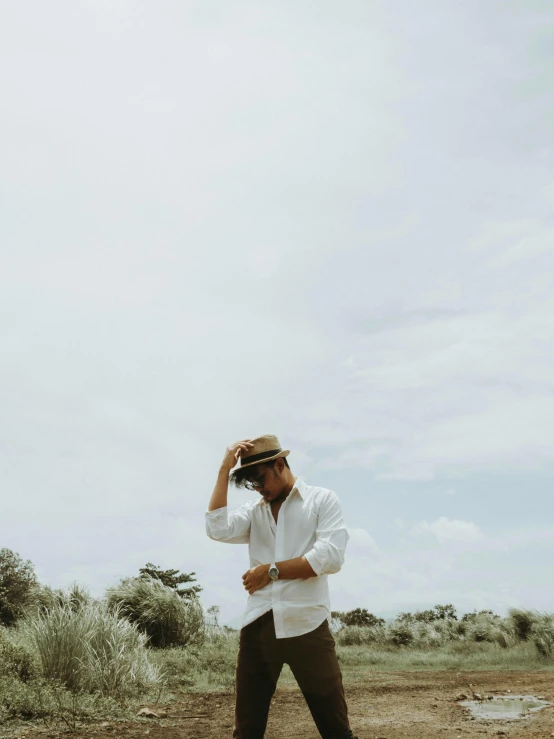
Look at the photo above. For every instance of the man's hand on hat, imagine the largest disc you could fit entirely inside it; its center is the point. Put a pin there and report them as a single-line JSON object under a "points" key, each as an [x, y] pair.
{"points": [[256, 578], [234, 452]]}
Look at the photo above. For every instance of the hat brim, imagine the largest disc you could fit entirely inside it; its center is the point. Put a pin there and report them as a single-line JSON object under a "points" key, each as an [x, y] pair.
{"points": [[283, 453]]}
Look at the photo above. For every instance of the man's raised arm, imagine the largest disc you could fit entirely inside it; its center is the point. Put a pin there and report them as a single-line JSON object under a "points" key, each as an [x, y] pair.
{"points": [[232, 454], [233, 528]]}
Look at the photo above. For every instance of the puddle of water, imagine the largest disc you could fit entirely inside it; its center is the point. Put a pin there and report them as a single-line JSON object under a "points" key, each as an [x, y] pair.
{"points": [[505, 706]]}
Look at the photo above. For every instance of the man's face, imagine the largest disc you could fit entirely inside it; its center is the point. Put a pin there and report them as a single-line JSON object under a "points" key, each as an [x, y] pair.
{"points": [[268, 480]]}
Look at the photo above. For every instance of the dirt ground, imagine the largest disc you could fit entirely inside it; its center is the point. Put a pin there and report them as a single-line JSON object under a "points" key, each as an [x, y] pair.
{"points": [[418, 705]]}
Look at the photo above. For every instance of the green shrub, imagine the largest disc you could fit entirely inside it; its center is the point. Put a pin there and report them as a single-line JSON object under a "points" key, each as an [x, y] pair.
{"points": [[166, 618], [91, 649]]}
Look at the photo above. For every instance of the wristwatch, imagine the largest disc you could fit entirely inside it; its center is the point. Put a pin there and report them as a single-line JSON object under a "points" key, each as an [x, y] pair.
{"points": [[273, 572]]}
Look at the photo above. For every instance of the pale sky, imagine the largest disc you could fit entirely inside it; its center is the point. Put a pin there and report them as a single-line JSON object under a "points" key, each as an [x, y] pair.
{"points": [[328, 221]]}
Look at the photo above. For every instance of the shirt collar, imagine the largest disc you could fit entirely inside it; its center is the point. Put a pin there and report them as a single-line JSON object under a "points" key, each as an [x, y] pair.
{"points": [[299, 486]]}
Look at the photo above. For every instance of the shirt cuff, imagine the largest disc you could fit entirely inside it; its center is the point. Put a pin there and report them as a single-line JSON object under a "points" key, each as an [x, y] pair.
{"points": [[217, 513], [314, 563]]}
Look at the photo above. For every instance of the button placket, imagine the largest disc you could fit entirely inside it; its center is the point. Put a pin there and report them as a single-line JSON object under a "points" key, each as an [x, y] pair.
{"points": [[280, 527]]}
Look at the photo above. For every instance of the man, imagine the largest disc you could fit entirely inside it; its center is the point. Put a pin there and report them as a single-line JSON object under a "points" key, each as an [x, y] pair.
{"points": [[296, 537]]}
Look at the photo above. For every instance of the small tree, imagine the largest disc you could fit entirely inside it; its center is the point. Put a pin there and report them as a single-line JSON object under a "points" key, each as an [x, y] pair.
{"points": [[360, 617], [476, 614], [438, 613], [405, 617], [172, 579], [447, 611], [18, 583], [213, 615]]}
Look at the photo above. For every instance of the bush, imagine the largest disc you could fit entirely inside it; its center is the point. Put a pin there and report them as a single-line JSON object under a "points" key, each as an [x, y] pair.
{"points": [[542, 635], [166, 618], [46, 598], [523, 622], [42, 699], [209, 666], [91, 650], [401, 633], [358, 617], [18, 583], [358, 635], [17, 661], [487, 627]]}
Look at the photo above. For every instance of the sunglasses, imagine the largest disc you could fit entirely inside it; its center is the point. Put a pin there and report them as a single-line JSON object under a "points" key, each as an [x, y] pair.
{"points": [[256, 483]]}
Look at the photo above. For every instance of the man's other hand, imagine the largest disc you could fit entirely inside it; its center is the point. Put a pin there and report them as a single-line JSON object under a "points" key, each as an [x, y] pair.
{"points": [[256, 578]]}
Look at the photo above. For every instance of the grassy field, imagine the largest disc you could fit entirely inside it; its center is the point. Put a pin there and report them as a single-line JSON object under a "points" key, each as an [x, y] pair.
{"points": [[211, 667], [83, 659]]}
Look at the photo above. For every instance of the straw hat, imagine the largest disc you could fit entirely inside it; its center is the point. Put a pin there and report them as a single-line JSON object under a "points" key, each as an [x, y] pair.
{"points": [[265, 449]]}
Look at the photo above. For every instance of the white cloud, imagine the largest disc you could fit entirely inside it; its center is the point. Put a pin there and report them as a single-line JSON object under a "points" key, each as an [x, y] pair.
{"points": [[449, 531], [362, 544]]}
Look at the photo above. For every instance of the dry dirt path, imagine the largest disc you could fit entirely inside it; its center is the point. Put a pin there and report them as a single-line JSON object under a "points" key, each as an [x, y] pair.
{"points": [[410, 705]]}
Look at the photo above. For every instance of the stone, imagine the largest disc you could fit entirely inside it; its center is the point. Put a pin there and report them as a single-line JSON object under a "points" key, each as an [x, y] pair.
{"points": [[148, 713]]}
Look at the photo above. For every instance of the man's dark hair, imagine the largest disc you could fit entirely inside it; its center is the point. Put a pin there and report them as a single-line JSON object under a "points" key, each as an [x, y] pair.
{"points": [[240, 476]]}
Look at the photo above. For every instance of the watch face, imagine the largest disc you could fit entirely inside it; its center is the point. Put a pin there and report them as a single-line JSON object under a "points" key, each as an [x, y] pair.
{"points": [[273, 573]]}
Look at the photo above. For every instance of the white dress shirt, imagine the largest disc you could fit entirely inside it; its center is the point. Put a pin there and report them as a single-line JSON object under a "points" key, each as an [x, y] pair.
{"points": [[310, 524]]}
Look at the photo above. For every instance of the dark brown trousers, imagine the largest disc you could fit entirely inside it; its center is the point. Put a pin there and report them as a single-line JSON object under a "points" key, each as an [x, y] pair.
{"points": [[313, 662]]}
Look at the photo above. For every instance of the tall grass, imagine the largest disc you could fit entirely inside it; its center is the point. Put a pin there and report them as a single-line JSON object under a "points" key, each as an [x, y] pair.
{"points": [[168, 619], [91, 649]]}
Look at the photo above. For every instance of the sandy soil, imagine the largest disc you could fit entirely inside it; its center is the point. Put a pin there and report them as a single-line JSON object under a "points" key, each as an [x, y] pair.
{"points": [[418, 705]]}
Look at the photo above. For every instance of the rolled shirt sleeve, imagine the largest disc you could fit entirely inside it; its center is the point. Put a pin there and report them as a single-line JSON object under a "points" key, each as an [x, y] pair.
{"points": [[327, 554], [232, 528]]}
